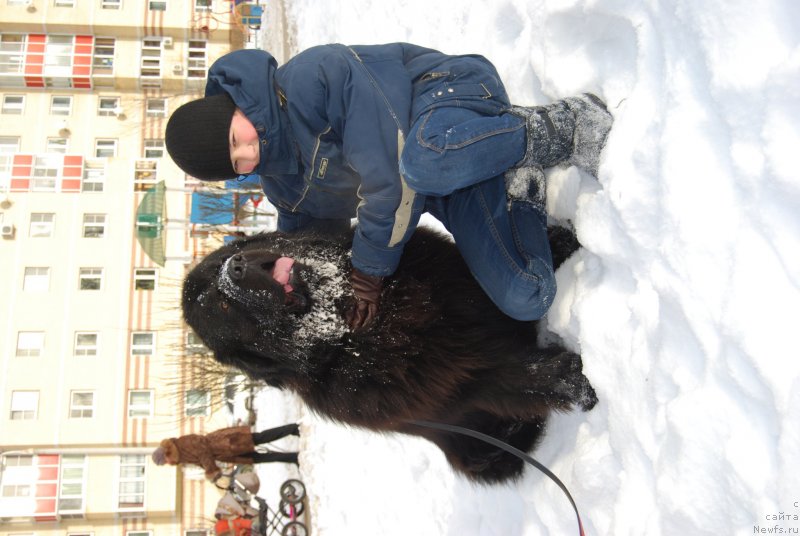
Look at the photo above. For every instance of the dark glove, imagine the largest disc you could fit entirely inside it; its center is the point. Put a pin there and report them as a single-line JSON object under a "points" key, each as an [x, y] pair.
{"points": [[367, 299]]}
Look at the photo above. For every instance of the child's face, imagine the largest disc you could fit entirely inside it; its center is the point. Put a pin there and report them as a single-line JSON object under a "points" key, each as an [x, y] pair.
{"points": [[244, 144]]}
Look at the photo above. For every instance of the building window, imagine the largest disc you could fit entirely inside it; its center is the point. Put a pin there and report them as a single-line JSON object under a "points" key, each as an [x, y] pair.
{"points": [[145, 174], [103, 56], [194, 345], [46, 170], [140, 403], [90, 279], [17, 491], [156, 108], [12, 53], [57, 145], [60, 105], [143, 343], [72, 484], [151, 62], [145, 278], [9, 145], [94, 177], [64, 3], [30, 343], [198, 403], [13, 104], [111, 4], [24, 405], [157, 5], [196, 62], [42, 225], [108, 106], [17, 460], [154, 148], [81, 405], [202, 5], [106, 148], [86, 344], [58, 56], [94, 225], [131, 484], [37, 279]]}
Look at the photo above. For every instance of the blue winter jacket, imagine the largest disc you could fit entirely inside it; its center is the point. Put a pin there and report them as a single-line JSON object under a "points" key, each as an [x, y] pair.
{"points": [[332, 122]]}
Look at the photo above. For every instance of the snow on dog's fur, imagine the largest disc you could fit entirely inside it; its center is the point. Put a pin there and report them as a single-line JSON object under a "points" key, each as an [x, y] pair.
{"points": [[271, 305]]}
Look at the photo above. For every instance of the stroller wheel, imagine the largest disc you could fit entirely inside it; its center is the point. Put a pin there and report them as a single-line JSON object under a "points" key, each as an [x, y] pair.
{"points": [[286, 508], [295, 528], [293, 491]]}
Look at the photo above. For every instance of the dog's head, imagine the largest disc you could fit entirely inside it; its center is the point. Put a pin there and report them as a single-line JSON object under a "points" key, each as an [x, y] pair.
{"points": [[266, 298]]}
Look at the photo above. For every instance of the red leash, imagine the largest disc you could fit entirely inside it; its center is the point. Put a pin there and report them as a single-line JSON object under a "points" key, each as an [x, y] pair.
{"points": [[508, 448]]}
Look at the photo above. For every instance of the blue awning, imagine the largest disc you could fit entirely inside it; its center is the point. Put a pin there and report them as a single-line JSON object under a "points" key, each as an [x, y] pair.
{"points": [[212, 208], [244, 182]]}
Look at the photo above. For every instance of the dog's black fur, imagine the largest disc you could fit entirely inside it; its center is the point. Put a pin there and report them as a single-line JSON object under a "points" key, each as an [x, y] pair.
{"points": [[441, 350]]}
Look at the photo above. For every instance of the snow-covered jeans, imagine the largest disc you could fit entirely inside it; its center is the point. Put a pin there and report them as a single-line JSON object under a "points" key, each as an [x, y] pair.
{"points": [[457, 156]]}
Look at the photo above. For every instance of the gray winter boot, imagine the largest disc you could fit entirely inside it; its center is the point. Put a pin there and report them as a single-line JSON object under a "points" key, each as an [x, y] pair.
{"points": [[527, 184], [592, 125], [571, 130], [549, 133]]}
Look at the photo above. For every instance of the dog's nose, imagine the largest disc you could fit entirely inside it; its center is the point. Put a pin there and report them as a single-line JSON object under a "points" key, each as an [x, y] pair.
{"points": [[237, 267]]}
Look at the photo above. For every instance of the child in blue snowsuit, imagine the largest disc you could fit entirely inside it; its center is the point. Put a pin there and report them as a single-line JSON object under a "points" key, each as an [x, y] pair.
{"points": [[383, 133]]}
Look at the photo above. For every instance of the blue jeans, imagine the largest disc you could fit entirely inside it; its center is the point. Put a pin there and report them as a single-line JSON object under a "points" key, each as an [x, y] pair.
{"points": [[457, 156]]}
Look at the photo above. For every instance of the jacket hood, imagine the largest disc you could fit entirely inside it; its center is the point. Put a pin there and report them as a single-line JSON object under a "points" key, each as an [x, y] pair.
{"points": [[171, 451], [248, 76]]}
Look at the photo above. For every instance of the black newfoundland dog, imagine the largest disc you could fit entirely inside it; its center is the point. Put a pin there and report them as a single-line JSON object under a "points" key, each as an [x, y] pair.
{"points": [[271, 305]]}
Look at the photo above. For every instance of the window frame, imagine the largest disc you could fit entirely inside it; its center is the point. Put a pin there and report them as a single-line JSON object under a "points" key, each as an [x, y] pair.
{"points": [[196, 59], [46, 171], [140, 349], [61, 109], [35, 279], [28, 349], [94, 175], [195, 409], [102, 146], [86, 350], [79, 408], [12, 61], [156, 112], [94, 225], [145, 173], [13, 109], [141, 275], [105, 111], [25, 410], [88, 274], [40, 226], [103, 52], [154, 148], [137, 411]]}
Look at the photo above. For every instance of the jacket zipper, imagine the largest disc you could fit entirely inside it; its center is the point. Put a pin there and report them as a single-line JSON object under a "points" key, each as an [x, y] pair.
{"points": [[313, 166]]}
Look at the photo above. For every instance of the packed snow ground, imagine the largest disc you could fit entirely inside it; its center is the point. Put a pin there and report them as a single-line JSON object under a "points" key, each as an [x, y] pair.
{"points": [[683, 302]]}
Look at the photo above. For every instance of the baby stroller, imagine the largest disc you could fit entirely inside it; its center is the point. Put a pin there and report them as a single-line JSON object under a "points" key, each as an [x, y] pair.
{"points": [[237, 517]]}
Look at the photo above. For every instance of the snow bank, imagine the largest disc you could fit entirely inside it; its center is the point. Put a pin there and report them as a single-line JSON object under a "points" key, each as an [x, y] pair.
{"points": [[685, 295]]}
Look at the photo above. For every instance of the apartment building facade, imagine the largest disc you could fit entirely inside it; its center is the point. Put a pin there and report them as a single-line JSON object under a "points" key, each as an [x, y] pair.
{"points": [[96, 237]]}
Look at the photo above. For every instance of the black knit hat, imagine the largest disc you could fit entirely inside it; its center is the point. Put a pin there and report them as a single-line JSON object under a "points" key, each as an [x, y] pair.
{"points": [[197, 137]]}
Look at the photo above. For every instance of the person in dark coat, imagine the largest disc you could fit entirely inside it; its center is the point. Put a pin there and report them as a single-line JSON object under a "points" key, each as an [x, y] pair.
{"points": [[231, 445], [383, 133]]}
